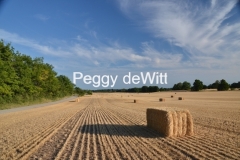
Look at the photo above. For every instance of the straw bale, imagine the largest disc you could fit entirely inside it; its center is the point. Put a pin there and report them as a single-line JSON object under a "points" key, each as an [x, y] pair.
{"points": [[161, 99], [170, 122], [180, 98]]}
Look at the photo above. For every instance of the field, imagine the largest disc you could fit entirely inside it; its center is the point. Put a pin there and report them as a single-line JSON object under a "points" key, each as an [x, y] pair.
{"points": [[112, 126]]}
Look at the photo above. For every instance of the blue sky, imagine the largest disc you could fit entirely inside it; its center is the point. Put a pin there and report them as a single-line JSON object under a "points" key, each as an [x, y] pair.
{"points": [[186, 39]]}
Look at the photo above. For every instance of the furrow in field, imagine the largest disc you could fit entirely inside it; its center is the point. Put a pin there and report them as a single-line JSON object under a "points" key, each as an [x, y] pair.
{"points": [[158, 144], [100, 145], [18, 132], [222, 148], [106, 143], [95, 140], [205, 144], [68, 146], [131, 147], [51, 145], [16, 117], [76, 140], [184, 147], [144, 147], [99, 128], [88, 148], [201, 151], [24, 148], [82, 142], [205, 149], [124, 150], [18, 149], [114, 149]]}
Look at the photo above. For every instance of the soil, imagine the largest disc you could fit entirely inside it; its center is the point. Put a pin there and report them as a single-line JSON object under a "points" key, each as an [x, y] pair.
{"points": [[112, 126]]}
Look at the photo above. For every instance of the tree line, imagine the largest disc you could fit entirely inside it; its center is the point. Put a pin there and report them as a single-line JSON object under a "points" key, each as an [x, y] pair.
{"points": [[220, 85], [198, 85], [143, 89], [26, 79]]}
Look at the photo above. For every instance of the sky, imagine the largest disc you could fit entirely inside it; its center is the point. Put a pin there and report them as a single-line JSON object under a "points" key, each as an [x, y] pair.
{"points": [[186, 39]]}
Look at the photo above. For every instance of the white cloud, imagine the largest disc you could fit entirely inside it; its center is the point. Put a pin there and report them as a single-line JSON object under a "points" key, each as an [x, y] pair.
{"points": [[161, 59], [99, 54], [198, 28], [79, 38], [44, 49], [213, 2], [106, 55], [93, 34]]}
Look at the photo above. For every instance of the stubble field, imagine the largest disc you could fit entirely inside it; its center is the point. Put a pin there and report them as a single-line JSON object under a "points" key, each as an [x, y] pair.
{"points": [[111, 126]]}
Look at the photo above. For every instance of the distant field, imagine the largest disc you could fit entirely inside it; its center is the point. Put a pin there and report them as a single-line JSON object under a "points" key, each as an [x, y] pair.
{"points": [[111, 126]]}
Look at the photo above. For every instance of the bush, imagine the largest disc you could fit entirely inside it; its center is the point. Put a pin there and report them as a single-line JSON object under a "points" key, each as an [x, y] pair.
{"points": [[235, 85], [197, 85], [223, 86], [25, 79]]}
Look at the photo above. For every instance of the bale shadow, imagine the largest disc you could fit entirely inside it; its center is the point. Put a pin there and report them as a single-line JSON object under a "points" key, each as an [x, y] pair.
{"points": [[72, 101], [120, 130]]}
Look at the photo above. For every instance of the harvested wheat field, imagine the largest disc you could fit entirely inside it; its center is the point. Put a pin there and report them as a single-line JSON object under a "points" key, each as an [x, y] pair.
{"points": [[112, 126]]}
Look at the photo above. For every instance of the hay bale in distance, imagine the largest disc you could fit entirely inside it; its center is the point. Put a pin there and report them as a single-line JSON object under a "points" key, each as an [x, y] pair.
{"points": [[77, 100], [172, 96], [171, 122], [180, 98], [134, 101], [161, 99]]}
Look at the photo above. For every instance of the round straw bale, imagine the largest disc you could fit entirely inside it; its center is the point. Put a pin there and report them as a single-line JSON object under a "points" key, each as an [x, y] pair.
{"points": [[180, 98], [161, 99], [135, 101]]}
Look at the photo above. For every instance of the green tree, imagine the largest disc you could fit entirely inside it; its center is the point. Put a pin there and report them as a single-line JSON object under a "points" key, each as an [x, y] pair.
{"points": [[235, 85], [177, 86], [215, 84], [24, 79], [205, 86], [67, 88], [123, 90], [144, 89], [161, 89], [223, 86], [197, 85], [89, 92], [136, 89], [79, 91], [153, 89], [186, 85]]}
